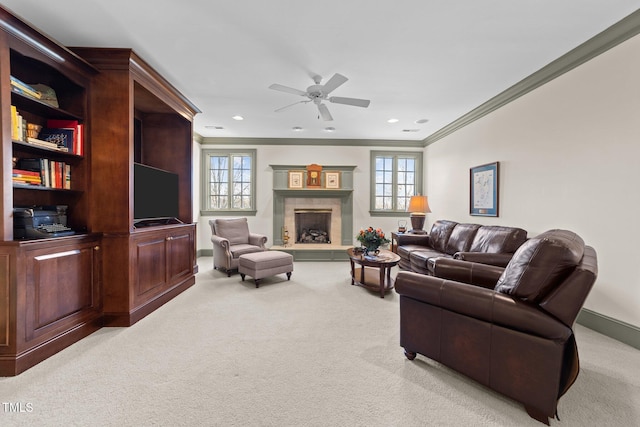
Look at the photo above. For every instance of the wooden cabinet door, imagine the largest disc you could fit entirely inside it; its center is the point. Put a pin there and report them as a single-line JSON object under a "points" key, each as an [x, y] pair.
{"points": [[179, 256], [62, 286]]}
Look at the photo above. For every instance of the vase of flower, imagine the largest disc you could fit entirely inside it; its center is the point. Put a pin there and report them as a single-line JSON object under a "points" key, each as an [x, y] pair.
{"points": [[371, 239]]}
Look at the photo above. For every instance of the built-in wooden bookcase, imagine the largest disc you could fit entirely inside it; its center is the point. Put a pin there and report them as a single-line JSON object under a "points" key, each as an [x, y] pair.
{"points": [[43, 308], [138, 117]]}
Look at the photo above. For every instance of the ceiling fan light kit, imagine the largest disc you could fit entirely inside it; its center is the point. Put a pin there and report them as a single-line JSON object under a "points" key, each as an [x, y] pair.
{"points": [[318, 93]]}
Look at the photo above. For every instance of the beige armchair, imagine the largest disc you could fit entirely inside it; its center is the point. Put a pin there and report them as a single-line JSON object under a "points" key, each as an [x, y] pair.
{"points": [[231, 238]]}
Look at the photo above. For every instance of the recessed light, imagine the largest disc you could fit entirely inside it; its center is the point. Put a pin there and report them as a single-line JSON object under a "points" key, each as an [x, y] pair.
{"points": [[297, 129], [393, 121], [237, 118], [421, 121], [330, 129]]}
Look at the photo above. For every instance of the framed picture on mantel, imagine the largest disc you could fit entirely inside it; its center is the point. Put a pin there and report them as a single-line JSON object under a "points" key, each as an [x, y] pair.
{"points": [[332, 179], [296, 179], [484, 190]]}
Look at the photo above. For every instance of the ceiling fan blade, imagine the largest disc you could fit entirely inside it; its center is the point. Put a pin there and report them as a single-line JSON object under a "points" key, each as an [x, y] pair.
{"points": [[290, 105], [324, 112], [287, 89], [350, 101], [333, 83]]}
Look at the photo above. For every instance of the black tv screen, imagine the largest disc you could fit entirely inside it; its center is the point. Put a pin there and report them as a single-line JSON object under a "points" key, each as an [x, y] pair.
{"points": [[155, 193]]}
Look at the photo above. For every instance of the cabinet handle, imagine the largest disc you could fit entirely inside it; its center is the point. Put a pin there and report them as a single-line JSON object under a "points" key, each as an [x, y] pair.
{"points": [[169, 238], [96, 248]]}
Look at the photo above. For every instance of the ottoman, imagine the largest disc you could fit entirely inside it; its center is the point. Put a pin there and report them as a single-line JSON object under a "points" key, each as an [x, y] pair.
{"points": [[263, 264]]}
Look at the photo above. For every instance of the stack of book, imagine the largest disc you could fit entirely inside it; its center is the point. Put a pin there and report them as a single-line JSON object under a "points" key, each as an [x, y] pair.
{"points": [[25, 177], [25, 89]]}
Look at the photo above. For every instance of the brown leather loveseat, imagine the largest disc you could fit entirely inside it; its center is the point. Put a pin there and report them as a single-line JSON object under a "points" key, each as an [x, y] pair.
{"points": [[488, 244], [514, 337]]}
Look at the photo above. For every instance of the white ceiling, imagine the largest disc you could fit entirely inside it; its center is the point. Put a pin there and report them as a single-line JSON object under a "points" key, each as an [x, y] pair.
{"points": [[414, 59]]}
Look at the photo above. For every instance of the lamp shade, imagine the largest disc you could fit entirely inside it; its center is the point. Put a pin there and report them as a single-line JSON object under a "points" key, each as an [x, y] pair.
{"points": [[418, 204]]}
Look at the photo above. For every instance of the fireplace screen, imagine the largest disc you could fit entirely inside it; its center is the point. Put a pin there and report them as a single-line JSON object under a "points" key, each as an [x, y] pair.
{"points": [[313, 225]]}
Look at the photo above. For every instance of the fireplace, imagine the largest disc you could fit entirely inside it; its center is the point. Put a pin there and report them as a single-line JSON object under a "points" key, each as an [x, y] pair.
{"points": [[313, 220], [313, 225], [338, 200]]}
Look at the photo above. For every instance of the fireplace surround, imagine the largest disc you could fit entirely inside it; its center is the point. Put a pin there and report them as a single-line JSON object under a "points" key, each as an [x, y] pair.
{"points": [[340, 200]]}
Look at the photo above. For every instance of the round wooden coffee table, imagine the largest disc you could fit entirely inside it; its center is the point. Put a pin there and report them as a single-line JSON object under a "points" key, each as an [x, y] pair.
{"points": [[373, 272]]}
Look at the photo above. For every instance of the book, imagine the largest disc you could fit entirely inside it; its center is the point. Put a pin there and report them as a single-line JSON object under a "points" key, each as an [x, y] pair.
{"points": [[14, 123], [62, 137], [25, 88], [78, 135], [45, 144]]}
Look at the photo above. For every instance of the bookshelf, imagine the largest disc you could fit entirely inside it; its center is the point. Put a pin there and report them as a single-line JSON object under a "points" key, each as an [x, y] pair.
{"points": [[137, 116], [44, 308]]}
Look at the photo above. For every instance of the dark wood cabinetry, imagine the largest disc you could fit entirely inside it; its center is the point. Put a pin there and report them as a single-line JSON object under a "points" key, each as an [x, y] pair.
{"points": [[137, 116], [50, 289], [148, 268], [50, 292], [55, 291]]}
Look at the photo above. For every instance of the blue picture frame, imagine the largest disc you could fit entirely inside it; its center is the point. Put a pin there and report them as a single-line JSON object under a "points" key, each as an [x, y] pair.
{"points": [[483, 191]]}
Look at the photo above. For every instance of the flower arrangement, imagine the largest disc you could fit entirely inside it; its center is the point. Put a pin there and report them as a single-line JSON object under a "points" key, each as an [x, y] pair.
{"points": [[371, 239]]}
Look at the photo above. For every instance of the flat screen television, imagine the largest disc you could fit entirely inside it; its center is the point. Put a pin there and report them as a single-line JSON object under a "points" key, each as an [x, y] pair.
{"points": [[155, 193]]}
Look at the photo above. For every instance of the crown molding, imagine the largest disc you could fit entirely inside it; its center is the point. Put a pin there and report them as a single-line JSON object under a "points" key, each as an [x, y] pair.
{"points": [[600, 43], [313, 141]]}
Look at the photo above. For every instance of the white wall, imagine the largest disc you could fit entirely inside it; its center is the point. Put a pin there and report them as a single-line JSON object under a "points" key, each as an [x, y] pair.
{"points": [[569, 156], [304, 155]]}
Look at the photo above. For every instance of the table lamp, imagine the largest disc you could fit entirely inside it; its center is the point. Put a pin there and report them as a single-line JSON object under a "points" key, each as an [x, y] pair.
{"points": [[419, 207]]}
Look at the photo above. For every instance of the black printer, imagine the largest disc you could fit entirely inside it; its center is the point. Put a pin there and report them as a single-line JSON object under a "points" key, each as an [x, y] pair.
{"points": [[39, 223]]}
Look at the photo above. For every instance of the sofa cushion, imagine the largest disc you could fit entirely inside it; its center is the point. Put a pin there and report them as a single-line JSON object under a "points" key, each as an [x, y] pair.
{"points": [[461, 238], [498, 239], [236, 230], [439, 234], [420, 259], [540, 264], [406, 250]]}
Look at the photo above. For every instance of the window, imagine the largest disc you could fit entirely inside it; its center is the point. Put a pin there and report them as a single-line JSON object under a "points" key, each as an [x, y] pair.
{"points": [[228, 181], [395, 177]]}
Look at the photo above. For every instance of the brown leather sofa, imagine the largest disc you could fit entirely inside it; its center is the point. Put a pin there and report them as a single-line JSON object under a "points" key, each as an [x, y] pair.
{"points": [[509, 328], [487, 244]]}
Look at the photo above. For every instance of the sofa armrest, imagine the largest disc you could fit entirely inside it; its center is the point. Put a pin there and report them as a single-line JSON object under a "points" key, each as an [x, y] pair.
{"points": [[413, 239], [499, 259], [482, 304], [472, 273], [257, 239]]}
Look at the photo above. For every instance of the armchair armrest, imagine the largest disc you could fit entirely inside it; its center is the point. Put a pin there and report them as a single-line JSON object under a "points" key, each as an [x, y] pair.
{"points": [[257, 239], [220, 241], [482, 304], [499, 259], [413, 239], [472, 273]]}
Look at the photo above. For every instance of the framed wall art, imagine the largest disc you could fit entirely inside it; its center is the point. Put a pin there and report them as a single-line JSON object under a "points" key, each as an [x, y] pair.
{"points": [[332, 179], [484, 190], [296, 179]]}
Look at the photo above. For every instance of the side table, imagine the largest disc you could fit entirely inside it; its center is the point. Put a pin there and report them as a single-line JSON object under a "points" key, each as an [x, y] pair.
{"points": [[394, 241], [365, 274]]}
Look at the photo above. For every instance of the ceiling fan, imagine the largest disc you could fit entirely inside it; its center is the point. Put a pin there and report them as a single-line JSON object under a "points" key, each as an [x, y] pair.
{"points": [[318, 93]]}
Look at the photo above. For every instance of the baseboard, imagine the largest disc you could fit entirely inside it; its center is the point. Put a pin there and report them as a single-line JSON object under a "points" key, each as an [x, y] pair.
{"points": [[204, 252], [610, 327]]}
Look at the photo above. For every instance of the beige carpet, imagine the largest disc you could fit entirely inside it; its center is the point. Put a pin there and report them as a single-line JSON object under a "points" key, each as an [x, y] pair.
{"points": [[313, 351]]}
